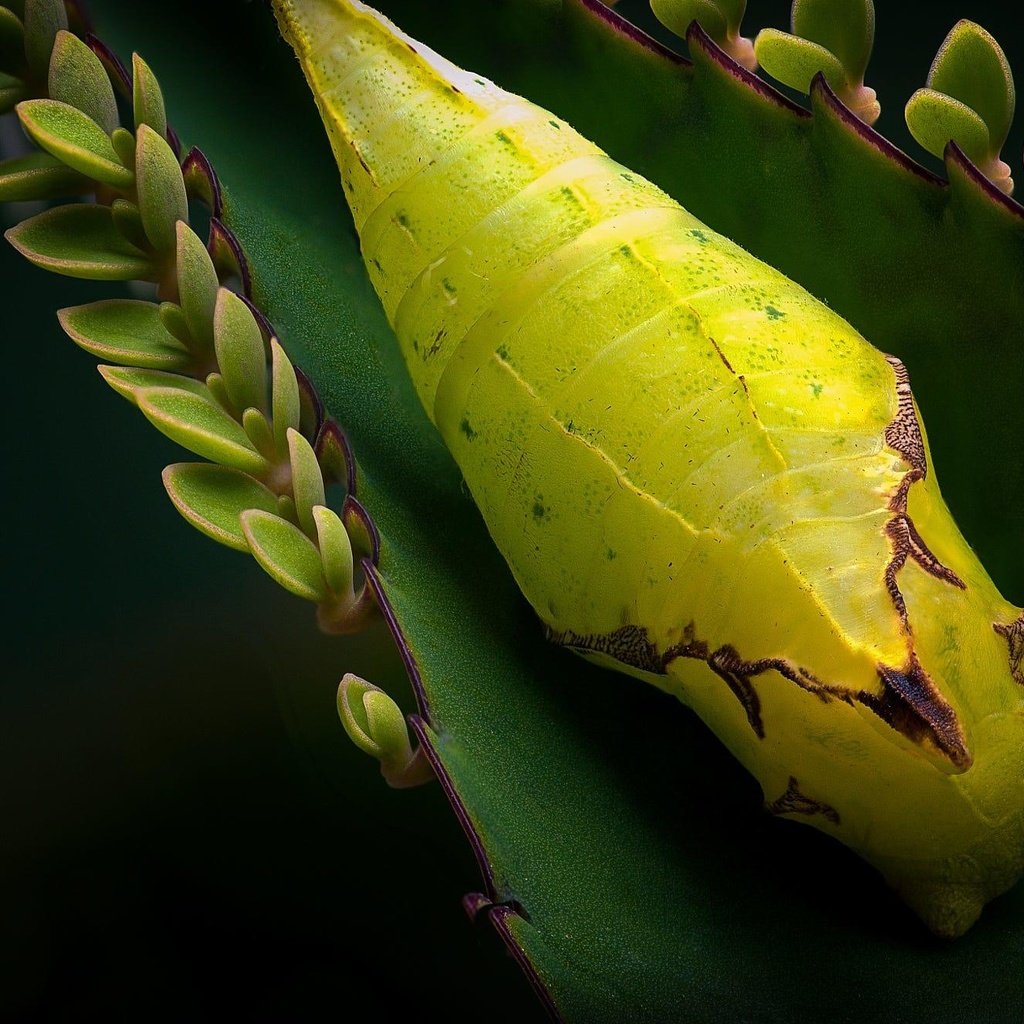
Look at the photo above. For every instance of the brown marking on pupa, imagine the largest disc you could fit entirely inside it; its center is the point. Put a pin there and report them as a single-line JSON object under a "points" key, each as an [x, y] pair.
{"points": [[913, 705], [793, 801], [904, 436], [910, 701], [1013, 634]]}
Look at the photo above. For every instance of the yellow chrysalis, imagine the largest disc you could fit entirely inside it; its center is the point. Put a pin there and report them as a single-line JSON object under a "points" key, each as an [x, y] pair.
{"points": [[698, 474]]}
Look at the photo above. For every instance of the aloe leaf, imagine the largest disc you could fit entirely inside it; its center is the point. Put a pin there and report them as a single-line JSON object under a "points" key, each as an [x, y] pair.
{"points": [[628, 837], [125, 331], [75, 138], [212, 499], [79, 240]]}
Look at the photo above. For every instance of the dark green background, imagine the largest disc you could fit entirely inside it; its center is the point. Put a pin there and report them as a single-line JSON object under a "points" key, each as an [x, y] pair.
{"points": [[186, 832]]}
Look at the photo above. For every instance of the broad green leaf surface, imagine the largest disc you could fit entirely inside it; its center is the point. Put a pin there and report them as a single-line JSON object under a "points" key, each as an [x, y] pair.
{"points": [[654, 889]]}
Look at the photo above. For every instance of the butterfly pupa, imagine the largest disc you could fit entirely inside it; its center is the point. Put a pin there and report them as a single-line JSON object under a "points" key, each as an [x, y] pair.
{"points": [[698, 474]]}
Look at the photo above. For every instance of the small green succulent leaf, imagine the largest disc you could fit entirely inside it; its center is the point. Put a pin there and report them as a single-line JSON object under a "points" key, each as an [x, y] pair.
{"points": [[43, 20], [36, 176], [12, 39], [128, 381], [162, 199], [147, 97], [286, 508], [971, 67], [376, 725], [128, 222], [678, 15], [373, 721], [285, 403], [123, 142], [935, 119], [12, 91], [307, 481], [241, 354], [80, 240], [215, 385], [173, 319], [125, 331], [844, 27], [285, 553], [197, 285], [258, 430], [795, 61], [212, 498], [335, 551], [74, 137], [77, 77], [197, 423], [720, 19]]}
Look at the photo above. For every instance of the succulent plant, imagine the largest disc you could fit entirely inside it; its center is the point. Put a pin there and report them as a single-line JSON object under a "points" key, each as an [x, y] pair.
{"points": [[596, 812]]}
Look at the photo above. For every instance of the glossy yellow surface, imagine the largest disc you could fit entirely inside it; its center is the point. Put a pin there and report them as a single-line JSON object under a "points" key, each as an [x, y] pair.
{"points": [[688, 462]]}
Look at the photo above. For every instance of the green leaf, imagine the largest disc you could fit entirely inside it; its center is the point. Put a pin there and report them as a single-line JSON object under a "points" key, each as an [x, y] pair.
{"points": [[677, 15], [844, 27], [76, 139], [38, 176], [212, 498], [286, 553], [284, 402], [335, 551], [935, 118], [79, 240], [972, 68], [162, 199], [147, 97], [12, 39], [128, 381], [127, 221], [258, 430], [651, 897], [125, 331], [203, 427], [43, 20], [12, 91], [173, 319], [123, 142], [77, 77], [795, 61], [307, 481], [373, 721], [241, 354], [197, 285]]}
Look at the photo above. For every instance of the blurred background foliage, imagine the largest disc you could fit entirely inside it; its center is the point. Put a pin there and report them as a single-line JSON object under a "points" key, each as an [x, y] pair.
{"points": [[187, 834]]}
